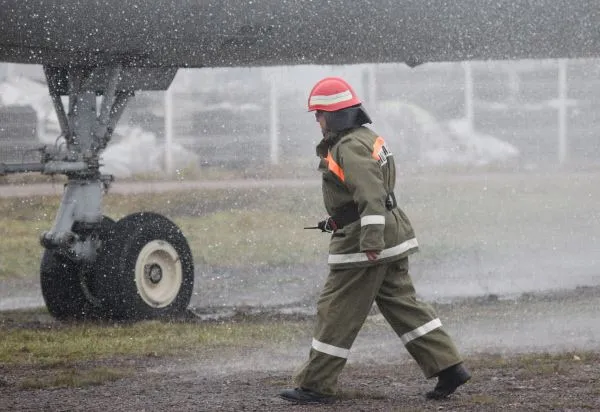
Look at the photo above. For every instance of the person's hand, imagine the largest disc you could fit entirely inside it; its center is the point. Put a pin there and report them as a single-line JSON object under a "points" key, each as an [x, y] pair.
{"points": [[372, 255]]}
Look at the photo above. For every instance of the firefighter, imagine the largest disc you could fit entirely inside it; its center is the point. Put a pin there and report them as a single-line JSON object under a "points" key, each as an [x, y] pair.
{"points": [[371, 239]]}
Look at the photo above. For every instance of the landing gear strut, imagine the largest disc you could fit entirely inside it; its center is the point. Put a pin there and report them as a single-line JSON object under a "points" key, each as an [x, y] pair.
{"points": [[139, 267]]}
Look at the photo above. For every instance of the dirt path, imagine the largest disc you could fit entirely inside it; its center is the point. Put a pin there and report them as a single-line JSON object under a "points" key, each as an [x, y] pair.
{"points": [[554, 385]]}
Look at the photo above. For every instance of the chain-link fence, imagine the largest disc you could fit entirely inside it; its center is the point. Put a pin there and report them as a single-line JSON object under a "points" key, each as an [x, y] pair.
{"points": [[433, 114]]}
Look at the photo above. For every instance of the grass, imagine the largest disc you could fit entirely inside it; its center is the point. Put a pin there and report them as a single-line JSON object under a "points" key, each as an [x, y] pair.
{"points": [[51, 354], [451, 214], [291, 169], [239, 238], [74, 377], [20, 249], [535, 365], [67, 344], [262, 227], [30, 177], [54, 355]]}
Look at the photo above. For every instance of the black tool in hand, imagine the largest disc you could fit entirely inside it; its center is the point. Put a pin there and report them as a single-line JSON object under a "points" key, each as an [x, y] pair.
{"points": [[328, 225]]}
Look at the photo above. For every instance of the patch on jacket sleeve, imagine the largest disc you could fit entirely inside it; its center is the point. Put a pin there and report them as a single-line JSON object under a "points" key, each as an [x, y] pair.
{"points": [[380, 151]]}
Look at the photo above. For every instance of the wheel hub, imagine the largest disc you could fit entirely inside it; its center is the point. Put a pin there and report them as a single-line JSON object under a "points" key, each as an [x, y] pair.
{"points": [[153, 272], [158, 273]]}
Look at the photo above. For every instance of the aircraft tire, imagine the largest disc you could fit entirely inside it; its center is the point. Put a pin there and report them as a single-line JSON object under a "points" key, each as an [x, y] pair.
{"points": [[147, 269], [65, 284]]}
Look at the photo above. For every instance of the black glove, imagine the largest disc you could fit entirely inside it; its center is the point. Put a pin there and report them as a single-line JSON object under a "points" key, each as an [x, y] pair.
{"points": [[328, 225]]}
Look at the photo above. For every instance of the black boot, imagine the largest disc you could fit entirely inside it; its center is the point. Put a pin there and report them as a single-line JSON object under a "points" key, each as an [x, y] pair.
{"points": [[301, 395], [448, 380]]}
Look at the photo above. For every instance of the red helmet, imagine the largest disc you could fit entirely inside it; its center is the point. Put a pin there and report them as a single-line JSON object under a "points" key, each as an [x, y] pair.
{"points": [[332, 94]]}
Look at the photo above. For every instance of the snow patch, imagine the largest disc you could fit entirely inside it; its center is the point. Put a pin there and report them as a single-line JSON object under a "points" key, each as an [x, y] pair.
{"points": [[138, 152], [415, 134]]}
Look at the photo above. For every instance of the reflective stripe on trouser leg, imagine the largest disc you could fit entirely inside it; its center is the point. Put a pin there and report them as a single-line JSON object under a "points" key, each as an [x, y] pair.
{"points": [[415, 322], [421, 330], [345, 302], [330, 349]]}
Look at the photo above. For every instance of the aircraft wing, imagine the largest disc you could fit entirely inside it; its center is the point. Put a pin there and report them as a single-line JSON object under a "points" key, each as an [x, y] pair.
{"points": [[212, 33]]}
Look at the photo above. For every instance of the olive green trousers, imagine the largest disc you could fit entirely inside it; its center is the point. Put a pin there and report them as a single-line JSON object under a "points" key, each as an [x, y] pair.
{"points": [[345, 302]]}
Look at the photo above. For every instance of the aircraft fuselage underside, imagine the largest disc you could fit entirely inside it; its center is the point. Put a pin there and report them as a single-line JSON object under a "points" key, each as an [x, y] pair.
{"points": [[202, 33]]}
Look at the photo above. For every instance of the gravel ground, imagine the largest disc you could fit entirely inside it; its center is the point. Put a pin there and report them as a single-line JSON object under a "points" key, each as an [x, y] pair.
{"points": [[390, 387], [514, 367]]}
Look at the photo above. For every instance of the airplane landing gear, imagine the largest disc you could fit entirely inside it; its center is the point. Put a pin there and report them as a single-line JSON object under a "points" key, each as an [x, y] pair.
{"points": [[139, 267]]}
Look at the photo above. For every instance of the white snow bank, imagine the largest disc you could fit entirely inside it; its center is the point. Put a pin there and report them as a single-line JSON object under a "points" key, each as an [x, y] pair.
{"points": [[416, 134], [21, 91], [139, 152], [465, 146], [133, 150]]}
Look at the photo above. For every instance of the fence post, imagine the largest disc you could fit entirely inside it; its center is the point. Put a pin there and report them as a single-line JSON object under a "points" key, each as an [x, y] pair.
{"points": [[274, 121], [169, 131], [469, 109], [371, 85], [562, 111]]}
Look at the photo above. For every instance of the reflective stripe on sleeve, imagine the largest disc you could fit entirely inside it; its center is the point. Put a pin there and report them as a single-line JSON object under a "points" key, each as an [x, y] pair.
{"points": [[372, 220], [385, 253], [421, 330], [330, 349], [334, 167]]}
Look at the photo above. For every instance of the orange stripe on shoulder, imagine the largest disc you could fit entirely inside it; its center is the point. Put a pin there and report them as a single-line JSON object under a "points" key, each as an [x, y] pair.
{"points": [[334, 167], [379, 143]]}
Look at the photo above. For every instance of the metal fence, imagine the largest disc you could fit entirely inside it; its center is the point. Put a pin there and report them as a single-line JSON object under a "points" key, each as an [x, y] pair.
{"points": [[234, 117]]}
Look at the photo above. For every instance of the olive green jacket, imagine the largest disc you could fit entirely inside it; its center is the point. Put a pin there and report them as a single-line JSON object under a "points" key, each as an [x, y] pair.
{"points": [[360, 168]]}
